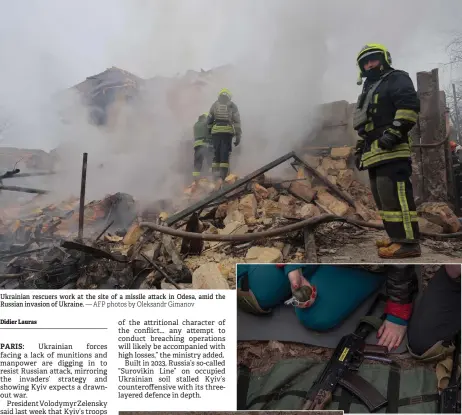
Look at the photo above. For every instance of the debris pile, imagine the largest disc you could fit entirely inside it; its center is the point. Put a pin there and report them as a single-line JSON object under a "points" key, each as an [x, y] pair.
{"points": [[195, 241], [259, 219], [41, 249]]}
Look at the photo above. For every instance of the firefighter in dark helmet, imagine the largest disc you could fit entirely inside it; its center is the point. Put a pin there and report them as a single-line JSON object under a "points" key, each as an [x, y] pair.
{"points": [[203, 151], [386, 111], [224, 123]]}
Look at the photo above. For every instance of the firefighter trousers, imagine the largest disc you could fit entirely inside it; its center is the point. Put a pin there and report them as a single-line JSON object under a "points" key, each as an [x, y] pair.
{"points": [[392, 190], [222, 149], [203, 156]]}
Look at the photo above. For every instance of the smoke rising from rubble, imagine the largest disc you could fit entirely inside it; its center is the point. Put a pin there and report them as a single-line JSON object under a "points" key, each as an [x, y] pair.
{"points": [[289, 56]]}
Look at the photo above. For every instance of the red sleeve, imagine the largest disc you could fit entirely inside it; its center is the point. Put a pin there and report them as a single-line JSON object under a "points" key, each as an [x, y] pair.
{"points": [[399, 310]]}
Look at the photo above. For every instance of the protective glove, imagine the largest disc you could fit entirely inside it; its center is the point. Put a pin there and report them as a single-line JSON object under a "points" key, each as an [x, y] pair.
{"points": [[387, 141], [362, 132], [237, 141], [358, 161], [358, 153]]}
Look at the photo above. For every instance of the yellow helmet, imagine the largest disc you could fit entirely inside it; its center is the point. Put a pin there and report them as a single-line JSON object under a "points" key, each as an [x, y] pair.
{"points": [[225, 91], [371, 49], [205, 114]]}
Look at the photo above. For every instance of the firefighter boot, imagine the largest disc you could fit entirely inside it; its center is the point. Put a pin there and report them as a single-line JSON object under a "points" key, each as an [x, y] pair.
{"points": [[395, 251], [383, 243]]}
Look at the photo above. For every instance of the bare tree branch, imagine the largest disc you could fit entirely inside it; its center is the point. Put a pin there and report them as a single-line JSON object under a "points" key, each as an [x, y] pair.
{"points": [[454, 50]]}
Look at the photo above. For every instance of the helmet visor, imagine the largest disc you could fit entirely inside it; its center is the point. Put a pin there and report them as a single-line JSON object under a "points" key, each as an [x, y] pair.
{"points": [[370, 56]]}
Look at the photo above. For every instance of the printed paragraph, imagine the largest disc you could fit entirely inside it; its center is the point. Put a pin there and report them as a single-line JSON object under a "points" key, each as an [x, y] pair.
{"points": [[100, 352], [30, 373], [164, 359]]}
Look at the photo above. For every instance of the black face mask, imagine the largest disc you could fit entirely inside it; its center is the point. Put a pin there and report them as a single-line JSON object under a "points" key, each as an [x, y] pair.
{"points": [[374, 73]]}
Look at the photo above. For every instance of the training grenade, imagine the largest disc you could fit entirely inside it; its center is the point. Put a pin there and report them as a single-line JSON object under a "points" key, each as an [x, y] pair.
{"points": [[303, 297]]}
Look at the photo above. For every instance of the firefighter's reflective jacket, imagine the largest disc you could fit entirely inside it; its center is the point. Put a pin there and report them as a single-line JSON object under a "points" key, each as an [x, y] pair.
{"points": [[224, 117], [389, 104], [201, 132]]}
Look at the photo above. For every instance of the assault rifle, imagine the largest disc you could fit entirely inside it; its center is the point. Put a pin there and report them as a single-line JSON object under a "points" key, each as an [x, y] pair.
{"points": [[341, 368], [449, 402]]}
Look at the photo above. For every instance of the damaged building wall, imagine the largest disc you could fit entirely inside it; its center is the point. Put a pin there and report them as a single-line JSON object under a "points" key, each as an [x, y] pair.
{"points": [[336, 130]]}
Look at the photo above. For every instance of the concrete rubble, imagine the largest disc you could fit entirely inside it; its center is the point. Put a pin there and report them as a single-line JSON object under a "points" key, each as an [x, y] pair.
{"points": [[39, 247]]}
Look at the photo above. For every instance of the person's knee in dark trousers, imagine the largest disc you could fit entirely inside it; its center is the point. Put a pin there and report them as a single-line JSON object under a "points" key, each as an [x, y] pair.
{"points": [[437, 318]]}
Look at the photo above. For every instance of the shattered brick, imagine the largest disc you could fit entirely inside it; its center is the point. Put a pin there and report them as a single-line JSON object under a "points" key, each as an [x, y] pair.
{"points": [[335, 205], [287, 205], [440, 214], [260, 191], [321, 171], [345, 178], [133, 234], [332, 167], [307, 211], [332, 179], [271, 209], [313, 161], [427, 226], [234, 216], [222, 211], [248, 206], [303, 189], [258, 254], [209, 277], [272, 193], [340, 152]]}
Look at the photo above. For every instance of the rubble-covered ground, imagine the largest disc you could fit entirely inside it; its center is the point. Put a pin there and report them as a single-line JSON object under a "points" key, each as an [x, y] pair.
{"points": [[39, 247]]}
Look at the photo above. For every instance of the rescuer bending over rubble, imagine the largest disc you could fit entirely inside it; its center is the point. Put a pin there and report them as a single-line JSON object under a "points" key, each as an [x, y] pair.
{"points": [[203, 149], [325, 295], [224, 123], [385, 113]]}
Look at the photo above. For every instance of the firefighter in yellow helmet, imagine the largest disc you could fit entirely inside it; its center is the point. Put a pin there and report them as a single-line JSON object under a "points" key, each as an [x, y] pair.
{"points": [[203, 150], [386, 111], [224, 123]]}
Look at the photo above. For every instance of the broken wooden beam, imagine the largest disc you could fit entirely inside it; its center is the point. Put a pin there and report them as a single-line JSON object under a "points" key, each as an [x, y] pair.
{"points": [[83, 185], [95, 252], [161, 271], [310, 246], [32, 174], [24, 189]]}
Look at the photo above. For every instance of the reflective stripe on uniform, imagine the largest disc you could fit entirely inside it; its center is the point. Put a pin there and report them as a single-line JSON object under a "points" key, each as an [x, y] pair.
{"points": [[198, 143], [215, 165], [224, 165], [369, 127], [216, 129], [196, 173], [405, 209], [393, 216], [376, 154], [394, 132], [408, 115]]}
